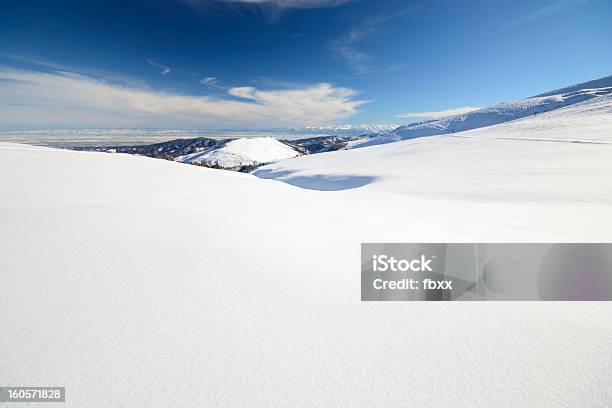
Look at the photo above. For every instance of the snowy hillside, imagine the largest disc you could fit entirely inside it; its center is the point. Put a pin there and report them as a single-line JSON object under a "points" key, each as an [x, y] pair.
{"points": [[241, 152], [143, 280], [501, 113], [563, 155]]}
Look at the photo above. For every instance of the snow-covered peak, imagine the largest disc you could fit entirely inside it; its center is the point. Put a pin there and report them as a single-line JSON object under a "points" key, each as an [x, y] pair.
{"points": [[496, 114], [363, 128], [595, 84], [242, 152], [535, 157]]}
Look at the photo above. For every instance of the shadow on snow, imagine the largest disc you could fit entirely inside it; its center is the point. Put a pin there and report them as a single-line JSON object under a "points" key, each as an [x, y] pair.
{"points": [[316, 182]]}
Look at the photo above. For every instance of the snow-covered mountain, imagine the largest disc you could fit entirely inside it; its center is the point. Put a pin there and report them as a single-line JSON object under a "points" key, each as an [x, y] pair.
{"points": [[500, 113], [564, 154], [128, 262], [240, 153], [164, 150], [348, 129], [130, 137], [321, 144]]}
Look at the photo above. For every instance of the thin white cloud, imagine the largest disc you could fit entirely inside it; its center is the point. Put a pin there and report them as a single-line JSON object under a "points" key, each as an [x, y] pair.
{"points": [[62, 99], [244, 92], [164, 70], [437, 114], [208, 81], [348, 46], [548, 10], [85, 70], [296, 4]]}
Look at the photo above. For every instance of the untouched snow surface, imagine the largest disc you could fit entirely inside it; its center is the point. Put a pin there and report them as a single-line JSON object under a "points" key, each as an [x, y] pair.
{"points": [[242, 152], [140, 282], [493, 115]]}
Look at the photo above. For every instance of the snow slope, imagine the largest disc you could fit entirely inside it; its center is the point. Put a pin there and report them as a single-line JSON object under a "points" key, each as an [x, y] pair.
{"points": [[496, 114], [242, 152], [141, 282], [563, 156]]}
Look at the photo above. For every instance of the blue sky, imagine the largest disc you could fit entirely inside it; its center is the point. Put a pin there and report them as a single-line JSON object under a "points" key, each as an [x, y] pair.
{"points": [[228, 64]]}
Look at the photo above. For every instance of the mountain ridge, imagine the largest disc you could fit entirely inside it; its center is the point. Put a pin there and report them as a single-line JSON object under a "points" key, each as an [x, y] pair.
{"points": [[495, 114]]}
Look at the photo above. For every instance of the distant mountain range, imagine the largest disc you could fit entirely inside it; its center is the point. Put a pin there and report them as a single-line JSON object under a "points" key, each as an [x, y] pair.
{"points": [[111, 137], [240, 154], [347, 129], [503, 112], [248, 153]]}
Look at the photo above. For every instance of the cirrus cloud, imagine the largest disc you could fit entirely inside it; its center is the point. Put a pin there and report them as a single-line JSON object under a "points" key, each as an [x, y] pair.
{"points": [[164, 69], [64, 99], [208, 81], [295, 4]]}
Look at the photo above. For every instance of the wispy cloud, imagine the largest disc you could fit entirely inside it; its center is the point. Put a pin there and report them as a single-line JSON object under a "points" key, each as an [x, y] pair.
{"points": [[348, 46], [297, 4], [271, 10], [39, 63], [65, 99], [164, 70], [437, 114], [210, 81], [545, 11]]}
